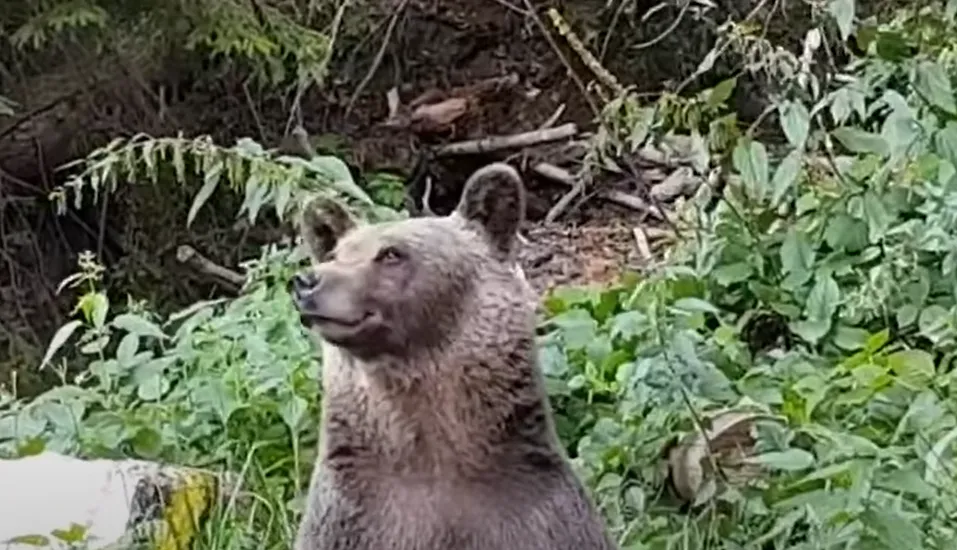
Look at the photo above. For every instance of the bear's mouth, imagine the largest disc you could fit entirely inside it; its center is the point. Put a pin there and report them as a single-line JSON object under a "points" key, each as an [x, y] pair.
{"points": [[339, 330]]}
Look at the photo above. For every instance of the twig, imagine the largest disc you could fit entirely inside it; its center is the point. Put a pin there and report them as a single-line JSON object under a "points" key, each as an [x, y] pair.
{"points": [[554, 118], [557, 209], [586, 56], [641, 242], [188, 255], [558, 51], [396, 15], [562, 176], [254, 111], [611, 29], [671, 28], [497, 143]]}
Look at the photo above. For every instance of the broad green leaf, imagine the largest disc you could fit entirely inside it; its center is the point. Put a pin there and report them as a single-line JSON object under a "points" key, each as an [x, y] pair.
{"points": [[823, 300], [210, 181], [138, 325], [938, 461], [843, 13], [152, 387], [59, 338], [750, 159], [128, 347], [946, 142], [721, 92], [933, 84], [292, 411], [577, 327], [795, 122], [786, 175], [790, 460], [934, 323], [913, 366], [796, 253], [336, 173], [896, 532], [860, 141], [877, 217], [906, 315], [810, 330], [850, 338], [696, 305], [729, 274]]}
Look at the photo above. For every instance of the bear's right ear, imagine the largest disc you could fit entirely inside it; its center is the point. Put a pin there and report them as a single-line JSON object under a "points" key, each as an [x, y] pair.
{"points": [[494, 198], [322, 222]]}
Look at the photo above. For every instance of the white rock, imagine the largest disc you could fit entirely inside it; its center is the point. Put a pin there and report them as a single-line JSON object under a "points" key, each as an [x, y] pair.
{"points": [[115, 502]]}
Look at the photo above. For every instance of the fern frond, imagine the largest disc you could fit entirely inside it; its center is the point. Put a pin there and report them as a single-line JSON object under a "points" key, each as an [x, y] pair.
{"points": [[265, 180]]}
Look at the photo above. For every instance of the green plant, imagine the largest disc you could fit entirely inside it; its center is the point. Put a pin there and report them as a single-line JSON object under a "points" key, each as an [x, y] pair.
{"points": [[816, 302]]}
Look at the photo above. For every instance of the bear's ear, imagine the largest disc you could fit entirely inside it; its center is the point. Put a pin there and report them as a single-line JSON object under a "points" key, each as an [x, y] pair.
{"points": [[494, 199], [322, 222]]}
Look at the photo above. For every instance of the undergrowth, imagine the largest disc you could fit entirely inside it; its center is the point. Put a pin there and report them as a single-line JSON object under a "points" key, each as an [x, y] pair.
{"points": [[781, 379]]}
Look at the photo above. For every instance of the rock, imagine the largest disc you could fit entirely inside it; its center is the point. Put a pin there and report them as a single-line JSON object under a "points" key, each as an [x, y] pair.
{"points": [[677, 183], [50, 499]]}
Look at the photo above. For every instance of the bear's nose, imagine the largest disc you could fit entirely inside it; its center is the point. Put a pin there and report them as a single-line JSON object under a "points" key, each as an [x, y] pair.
{"points": [[303, 282]]}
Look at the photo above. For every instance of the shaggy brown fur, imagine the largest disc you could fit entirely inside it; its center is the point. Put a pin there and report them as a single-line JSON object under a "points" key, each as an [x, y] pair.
{"points": [[436, 430]]}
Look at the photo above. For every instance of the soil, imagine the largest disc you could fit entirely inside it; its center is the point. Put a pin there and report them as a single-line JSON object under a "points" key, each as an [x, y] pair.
{"points": [[448, 49], [460, 70]]}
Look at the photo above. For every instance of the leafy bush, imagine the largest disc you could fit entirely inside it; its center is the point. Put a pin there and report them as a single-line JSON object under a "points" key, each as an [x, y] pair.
{"points": [[781, 379]]}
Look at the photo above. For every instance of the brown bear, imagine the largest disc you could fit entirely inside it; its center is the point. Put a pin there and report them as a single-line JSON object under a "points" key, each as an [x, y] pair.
{"points": [[436, 431]]}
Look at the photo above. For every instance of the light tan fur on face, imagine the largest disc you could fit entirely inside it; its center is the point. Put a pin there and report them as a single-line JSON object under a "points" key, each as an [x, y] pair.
{"points": [[436, 431]]}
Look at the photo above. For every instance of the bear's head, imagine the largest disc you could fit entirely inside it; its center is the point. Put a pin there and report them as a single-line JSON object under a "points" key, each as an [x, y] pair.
{"points": [[402, 287]]}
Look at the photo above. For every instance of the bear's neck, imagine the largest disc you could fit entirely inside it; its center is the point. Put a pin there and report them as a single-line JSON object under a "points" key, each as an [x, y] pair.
{"points": [[471, 410]]}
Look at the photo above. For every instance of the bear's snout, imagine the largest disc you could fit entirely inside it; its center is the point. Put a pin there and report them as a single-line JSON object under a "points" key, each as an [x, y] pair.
{"points": [[327, 298], [303, 282]]}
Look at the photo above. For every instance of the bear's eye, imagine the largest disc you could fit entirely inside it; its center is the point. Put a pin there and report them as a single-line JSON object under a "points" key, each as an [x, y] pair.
{"points": [[389, 255]]}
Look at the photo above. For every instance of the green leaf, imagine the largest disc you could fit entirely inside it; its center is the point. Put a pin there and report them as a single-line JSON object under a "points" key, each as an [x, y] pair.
{"points": [[933, 84], [824, 298], [62, 335], [810, 331], [138, 325], [292, 410], [732, 273], [786, 175], [894, 531], [750, 159], [337, 174], [795, 122], [696, 305], [946, 142], [210, 181], [797, 256], [843, 13], [39, 541], [720, 93], [76, 533], [860, 141], [790, 460], [577, 327], [913, 366], [152, 387], [877, 217], [934, 323], [938, 461], [906, 315], [850, 338], [128, 347]]}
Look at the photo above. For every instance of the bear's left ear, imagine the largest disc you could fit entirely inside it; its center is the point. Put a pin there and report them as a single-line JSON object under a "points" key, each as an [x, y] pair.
{"points": [[322, 222], [494, 199]]}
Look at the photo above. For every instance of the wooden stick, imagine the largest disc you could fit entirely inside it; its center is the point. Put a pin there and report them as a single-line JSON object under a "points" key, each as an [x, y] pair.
{"points": [[188, 255], [497, 143], [562, 176]]}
